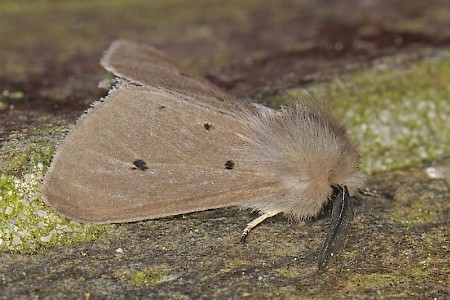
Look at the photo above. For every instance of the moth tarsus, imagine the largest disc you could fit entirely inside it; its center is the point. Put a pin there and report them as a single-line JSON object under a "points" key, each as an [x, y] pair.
{"points": [[341, 218], [243, 238], [255, 223]]}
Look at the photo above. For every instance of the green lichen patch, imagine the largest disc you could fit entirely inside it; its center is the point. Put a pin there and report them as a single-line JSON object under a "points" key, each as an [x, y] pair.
{"points": [[388, 282], [289, 272], [3, 105], [371, 281], [418, 204], [27, 225], [419, 272], [24, 160], [12, 94], [349, 255], [148, 277], [414, 215], [398, 116]]}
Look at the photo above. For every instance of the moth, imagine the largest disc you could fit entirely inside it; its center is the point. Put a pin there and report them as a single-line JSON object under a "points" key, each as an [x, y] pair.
{"points": [[163, 143]]}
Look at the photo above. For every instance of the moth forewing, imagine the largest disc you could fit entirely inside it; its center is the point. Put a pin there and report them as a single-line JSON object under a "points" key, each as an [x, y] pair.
{"points": [[144, 65], [94, 177]]}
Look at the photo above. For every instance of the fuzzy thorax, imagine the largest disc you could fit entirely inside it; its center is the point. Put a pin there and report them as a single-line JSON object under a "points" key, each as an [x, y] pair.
{"points": [[306, 150]]}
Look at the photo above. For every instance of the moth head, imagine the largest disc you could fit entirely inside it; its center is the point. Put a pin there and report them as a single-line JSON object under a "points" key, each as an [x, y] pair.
{"points": [[345, 171], [339, 191]]}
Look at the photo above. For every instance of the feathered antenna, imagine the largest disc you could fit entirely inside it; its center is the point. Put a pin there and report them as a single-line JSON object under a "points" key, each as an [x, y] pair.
{"points": [[341, 218]]}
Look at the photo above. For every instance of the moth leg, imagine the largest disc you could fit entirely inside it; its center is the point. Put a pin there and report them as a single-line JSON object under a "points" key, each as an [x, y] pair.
{"points": [[255, 223]]}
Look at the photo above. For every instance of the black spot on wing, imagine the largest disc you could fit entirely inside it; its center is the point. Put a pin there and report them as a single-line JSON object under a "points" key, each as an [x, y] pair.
{"points": [[139, 164], [207, 126], [229, 165]]}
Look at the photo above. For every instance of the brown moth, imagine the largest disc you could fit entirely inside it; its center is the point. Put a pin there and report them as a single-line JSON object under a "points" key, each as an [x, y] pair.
{"points": [[164, 143]]}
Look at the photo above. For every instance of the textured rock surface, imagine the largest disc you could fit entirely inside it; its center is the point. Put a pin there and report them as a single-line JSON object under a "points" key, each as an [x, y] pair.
{"points": [[382, 66]]}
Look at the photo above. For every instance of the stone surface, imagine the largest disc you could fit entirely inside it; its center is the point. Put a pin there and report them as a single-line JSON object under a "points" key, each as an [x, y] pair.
{"points": [[381, 66]]}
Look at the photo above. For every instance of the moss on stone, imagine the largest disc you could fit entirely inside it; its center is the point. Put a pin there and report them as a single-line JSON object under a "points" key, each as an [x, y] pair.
{"points": [[349, 255], [148, 277], [412, 216], [27, 225], [289, 272], [413, 208], [25, 160], [419, 272], [371, 281], [12, 94]]}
